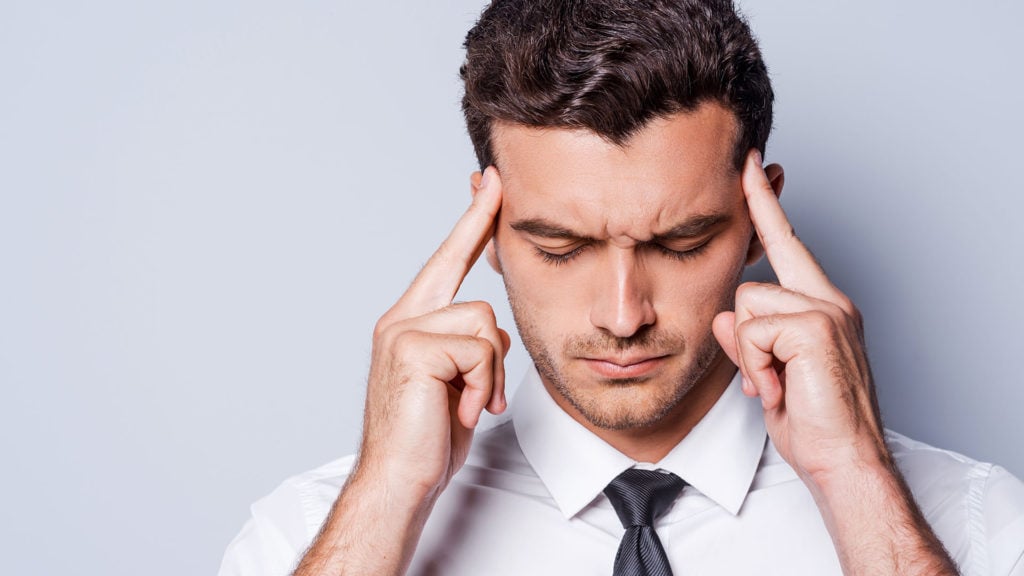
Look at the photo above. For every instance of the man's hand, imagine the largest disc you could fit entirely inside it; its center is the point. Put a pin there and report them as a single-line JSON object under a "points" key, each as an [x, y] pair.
{"points": [[436, 366], [799, 346]]}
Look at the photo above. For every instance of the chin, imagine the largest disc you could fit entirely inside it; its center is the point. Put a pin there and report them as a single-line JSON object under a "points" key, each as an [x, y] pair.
{"points": [[628, 403], [626, 406]]}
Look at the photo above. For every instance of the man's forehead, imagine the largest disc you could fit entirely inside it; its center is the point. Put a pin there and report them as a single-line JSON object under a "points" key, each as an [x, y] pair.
{"points": [[675, 169], [706, 135]]}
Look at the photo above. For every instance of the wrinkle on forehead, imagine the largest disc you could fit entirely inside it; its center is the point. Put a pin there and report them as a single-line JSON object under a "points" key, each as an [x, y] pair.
{"points": [[673, 168], [626, 225]]}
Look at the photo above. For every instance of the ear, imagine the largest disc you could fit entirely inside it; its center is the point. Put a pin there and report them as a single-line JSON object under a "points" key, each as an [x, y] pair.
{"points": [[776, 178], [490, 251]]}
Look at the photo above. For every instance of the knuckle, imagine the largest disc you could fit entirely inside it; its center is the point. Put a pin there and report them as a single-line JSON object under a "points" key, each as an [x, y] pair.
{"points": [[382, 325], [481, 353], [745, 290], [393, 334], [481, 309], [403, 342], [748, 328], [743, 331], [383, 334], [484, 346], [821, 322], [858, 320], [848, 312], [749, 293], [845, 304], [479, 315], [853, 312]]}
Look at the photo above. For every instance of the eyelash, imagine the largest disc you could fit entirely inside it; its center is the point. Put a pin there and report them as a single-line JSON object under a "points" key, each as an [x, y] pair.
{"points": [[683, 255], [559, 259], [680, 255]]}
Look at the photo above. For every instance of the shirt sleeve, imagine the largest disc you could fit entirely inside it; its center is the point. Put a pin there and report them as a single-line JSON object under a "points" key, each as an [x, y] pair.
{"points": [[273, 539], [997, 517], [282, 525]]}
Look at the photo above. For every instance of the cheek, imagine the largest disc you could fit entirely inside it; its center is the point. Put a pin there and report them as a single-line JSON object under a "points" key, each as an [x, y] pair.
{"points": [[702, 288], [533, 280], [697, 288]]}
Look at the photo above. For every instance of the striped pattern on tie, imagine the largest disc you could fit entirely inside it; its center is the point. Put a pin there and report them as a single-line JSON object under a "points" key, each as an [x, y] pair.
{"points": [[640, 496]]}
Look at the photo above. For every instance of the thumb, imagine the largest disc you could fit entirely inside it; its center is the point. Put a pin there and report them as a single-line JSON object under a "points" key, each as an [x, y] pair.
{"points": [[724, 329]]}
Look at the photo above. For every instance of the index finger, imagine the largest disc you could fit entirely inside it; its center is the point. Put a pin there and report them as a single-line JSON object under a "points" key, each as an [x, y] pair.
{"points": [[438, 282], [793, 263]]}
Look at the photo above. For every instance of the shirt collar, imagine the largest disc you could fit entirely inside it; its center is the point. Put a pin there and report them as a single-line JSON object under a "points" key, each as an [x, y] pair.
{"points": [[719, 457]]}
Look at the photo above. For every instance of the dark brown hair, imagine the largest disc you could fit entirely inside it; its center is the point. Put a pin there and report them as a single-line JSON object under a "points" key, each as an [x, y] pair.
{"points": [[611, 66]]}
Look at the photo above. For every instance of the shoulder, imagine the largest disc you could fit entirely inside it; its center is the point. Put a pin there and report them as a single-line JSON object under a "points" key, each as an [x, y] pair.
{"points": [[933, 471], [935, 474], [313, 492], [976, 508], [283, 523], [908, 450]]}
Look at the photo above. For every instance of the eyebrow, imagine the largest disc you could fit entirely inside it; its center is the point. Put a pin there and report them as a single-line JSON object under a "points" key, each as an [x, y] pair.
{"points": [[693, 226], [690, 228], [545, 229]]}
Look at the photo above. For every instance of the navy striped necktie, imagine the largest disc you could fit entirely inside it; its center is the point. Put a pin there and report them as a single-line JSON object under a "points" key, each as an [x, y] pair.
{"points": [[640, 496]]}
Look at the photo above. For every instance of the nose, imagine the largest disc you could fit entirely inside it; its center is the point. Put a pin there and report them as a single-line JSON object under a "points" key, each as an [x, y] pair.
{"points": [[622, 303]]}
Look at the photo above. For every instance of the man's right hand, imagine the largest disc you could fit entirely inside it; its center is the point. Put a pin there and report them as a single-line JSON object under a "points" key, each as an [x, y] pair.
{"points": [[436, 364]]}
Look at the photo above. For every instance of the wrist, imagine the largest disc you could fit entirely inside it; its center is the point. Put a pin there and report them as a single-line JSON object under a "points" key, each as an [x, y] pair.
{"points": [[373, 527], [865, 460], [867, 506], [867, 471], [393, 487], [851, 495]]}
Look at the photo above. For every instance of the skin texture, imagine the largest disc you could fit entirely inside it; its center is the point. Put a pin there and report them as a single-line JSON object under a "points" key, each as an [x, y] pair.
{"points": [[626, 292], [633, 340]]}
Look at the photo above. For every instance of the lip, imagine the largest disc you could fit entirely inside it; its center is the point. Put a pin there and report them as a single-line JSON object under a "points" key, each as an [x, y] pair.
{"points": [[631, 367]]}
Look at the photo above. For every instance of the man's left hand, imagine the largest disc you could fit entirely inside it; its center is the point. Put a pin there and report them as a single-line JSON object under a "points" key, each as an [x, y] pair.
{"points": [[799, 345]]}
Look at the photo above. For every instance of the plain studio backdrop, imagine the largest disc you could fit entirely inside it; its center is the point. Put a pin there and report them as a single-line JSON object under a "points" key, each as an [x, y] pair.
{"points": [[205, 206]]}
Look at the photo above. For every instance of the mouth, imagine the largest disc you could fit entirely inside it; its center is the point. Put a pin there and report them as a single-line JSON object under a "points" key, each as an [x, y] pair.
{"points": [[625, 367]]}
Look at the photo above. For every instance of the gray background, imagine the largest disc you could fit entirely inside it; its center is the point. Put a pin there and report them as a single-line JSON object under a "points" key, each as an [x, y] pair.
{"points": [[204, 206]]}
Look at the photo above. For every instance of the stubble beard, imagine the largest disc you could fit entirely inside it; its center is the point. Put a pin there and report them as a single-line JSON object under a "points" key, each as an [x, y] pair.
{"points": [[657, 402]]}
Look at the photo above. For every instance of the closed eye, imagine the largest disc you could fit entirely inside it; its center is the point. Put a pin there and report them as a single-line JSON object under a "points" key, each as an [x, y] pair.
{"points": [[681, 255], [559, 258]]}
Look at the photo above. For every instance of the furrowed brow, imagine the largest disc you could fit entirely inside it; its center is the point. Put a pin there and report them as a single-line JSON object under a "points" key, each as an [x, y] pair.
{"points": [[693, 227], [545, 229]]}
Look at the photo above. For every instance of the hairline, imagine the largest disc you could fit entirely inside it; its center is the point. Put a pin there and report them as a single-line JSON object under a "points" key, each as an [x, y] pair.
{"points": [[734, 163]]}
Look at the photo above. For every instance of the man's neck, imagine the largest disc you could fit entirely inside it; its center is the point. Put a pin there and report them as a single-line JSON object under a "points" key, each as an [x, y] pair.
{"points": [[654, 442]]}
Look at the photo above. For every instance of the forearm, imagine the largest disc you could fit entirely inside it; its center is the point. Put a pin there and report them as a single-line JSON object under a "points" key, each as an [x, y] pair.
{"points": [[373, 528], [877, 527]]}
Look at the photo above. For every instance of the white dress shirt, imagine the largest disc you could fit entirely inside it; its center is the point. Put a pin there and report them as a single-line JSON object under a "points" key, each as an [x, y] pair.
{"points": [[529, 501]]}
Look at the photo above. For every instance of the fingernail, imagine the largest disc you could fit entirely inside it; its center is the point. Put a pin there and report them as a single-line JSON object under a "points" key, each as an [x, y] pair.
{"points": [[758, 158], [486, 179]]}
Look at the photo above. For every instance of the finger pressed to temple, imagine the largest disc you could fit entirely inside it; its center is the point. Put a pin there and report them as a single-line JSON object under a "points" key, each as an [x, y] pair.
{"points": [[438, 282], [792, 262]]}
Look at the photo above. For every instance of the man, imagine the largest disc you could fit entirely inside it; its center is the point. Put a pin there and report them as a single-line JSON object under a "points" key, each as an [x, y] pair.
{"points": [[677, 421]]}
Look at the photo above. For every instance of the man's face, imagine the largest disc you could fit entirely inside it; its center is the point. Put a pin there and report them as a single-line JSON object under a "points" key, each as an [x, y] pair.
{"points": [[616, 259]]}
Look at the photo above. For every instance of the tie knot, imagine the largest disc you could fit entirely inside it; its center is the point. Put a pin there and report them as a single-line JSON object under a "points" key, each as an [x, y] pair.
{"points": [[640, 496]]}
